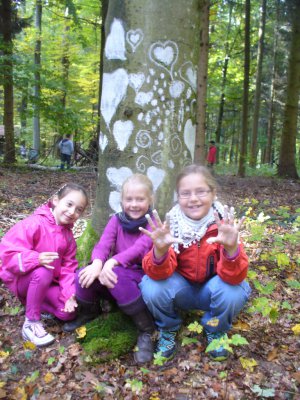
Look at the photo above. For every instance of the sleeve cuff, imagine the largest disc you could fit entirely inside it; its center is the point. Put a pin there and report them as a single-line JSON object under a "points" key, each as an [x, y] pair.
{"points": [[159, 260], [233, 257]]}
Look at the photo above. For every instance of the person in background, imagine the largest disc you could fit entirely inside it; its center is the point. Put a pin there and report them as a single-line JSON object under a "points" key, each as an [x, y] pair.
{"points": [[37, 261], [211, 155], [197, 262], [116, 268], [23, 150], [66, 148]]}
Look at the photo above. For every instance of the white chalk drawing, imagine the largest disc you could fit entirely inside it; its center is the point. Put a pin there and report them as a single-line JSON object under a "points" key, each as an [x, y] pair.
{"points": [[189, 136], [175, 145], [162, 75], [188, 73], [114, 201], [143, 98], [141, 163], [122, 131], [103, 141], [117, 176], [164, 54], [140, 117], [136, 81], [143, 139], [135, 149], [151, 71], [160, 91], [176, 88], [156, 175], [134, 38], [115, 42], [156, 157], [160, 135], [171, 164], [114, 87]]}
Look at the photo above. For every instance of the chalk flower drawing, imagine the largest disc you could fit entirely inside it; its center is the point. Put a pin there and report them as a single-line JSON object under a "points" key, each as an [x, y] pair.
{"points": [[115, 42], [114, 87], [134, 38], [122, 131]]}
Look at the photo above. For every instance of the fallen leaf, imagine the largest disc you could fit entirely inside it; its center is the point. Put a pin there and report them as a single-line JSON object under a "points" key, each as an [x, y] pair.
{"points": [[48, 377], [273, 354], [81, 332], [29, 346], [241, 326], [248, 363], [296, 329]]}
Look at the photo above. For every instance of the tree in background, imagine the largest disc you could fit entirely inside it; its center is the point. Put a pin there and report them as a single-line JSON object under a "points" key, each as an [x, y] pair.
{"points": [[148, 99], [287, 162]]}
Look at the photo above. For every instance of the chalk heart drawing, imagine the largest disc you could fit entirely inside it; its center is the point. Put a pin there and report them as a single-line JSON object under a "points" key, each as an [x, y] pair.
{"points": [[115, 201], [103, 141], [176, 88], [189, 74], [143, 98], [156, 175], [136, 81], [114, 87], [122, 131], [164, 54], [115, 42], [134, 37], [117, 176], [189, 136]]}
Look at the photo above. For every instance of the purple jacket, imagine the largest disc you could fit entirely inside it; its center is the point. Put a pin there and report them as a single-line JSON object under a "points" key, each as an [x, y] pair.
{"points": [[127, 248], [21, 245]]}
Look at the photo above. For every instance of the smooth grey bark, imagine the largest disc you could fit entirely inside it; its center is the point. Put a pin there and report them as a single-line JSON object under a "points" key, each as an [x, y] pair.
{"points": [[148, 98]]}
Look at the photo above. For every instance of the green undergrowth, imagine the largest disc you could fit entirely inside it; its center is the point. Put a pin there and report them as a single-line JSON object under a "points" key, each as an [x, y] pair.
{"points": [[85, 244], [108, 337]]}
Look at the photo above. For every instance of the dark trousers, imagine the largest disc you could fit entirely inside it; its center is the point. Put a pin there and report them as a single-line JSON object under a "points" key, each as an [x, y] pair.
{"points": [[65, 158]]}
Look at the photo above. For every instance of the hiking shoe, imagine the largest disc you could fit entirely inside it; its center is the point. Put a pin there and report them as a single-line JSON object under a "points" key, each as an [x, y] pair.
{"points": [[220, 353], [34, 332], [166, 344]]}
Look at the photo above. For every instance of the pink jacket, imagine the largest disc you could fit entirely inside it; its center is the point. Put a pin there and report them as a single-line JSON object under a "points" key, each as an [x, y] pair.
{"points": [[21, 245]]}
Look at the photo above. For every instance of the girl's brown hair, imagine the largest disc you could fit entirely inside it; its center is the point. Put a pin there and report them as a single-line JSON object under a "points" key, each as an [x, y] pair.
{"points": [[69, 187], [197, 169]]}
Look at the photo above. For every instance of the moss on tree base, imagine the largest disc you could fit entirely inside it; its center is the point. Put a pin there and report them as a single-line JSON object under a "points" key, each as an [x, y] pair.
{"points": [[108, 337]]}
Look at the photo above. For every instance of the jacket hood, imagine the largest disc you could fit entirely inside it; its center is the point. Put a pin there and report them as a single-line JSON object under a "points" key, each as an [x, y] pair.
{"points": [[46, 211]]}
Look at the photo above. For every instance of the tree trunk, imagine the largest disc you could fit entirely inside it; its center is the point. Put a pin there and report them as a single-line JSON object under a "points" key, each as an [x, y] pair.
{"points": [[287, 165], [148, 98], [260, 53], [8, 118], [244, 131], [37, 76], [200, 153]]}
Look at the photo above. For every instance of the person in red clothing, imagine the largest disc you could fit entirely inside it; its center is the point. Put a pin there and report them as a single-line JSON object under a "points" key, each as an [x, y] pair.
{"points": [[211, 155], [197, 262]]}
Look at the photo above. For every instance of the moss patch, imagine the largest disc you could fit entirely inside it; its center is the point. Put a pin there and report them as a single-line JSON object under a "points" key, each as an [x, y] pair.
{"points": [[85, 245], [108, 337]]}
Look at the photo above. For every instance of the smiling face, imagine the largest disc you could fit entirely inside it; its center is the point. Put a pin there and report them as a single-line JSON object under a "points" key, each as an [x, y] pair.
{"points": [[69, 208], [136, 199], [193, 206]]}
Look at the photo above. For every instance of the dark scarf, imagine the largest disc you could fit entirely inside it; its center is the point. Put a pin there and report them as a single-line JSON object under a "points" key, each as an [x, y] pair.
{"points": [[132, 225]]}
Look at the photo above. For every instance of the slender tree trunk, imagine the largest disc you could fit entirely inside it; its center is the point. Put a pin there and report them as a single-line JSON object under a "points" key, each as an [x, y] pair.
{"points": [[260, 53], [8, 118], [200, 153], [244, 131], [65, 61], [37, 76], [287, 165], [148, 98]]}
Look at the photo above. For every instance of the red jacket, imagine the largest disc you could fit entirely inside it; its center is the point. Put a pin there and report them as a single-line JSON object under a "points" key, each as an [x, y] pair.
{"points": [[212, 155], [199, 262]]}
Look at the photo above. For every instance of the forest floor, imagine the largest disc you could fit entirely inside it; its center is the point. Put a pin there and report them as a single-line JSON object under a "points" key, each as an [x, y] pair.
{"points": [[267, 367]]}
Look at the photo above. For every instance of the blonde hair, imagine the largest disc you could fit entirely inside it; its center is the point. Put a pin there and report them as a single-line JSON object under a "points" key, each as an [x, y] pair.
{"points": [[141, 179], [197, 169]]}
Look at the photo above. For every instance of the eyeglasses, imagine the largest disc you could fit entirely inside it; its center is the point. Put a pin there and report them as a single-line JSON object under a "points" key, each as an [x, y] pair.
{"points": [[197, 193]]}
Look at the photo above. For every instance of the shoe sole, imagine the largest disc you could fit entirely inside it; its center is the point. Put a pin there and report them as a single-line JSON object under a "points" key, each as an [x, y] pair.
{"points": [[37, 345]]}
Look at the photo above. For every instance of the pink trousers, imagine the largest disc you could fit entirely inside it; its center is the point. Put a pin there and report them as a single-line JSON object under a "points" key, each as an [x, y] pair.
{"points": [[38, 292]]}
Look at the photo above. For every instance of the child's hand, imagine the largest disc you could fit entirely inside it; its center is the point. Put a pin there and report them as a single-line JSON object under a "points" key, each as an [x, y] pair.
{"points": [[228, 231], [70, 304], [160, 234], [107, 276], [47, 258], [90, 273]]}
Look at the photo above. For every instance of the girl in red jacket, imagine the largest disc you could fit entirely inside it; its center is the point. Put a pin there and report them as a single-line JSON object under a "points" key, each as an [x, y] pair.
{"points": [[37, 261], [197, 262]]}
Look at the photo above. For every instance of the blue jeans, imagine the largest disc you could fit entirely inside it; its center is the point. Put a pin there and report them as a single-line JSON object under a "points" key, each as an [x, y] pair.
{"points": [[220, 301]]}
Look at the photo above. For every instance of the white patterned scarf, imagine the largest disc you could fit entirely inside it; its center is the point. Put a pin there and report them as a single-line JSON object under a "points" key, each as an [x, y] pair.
{"points": [[188, 230]]}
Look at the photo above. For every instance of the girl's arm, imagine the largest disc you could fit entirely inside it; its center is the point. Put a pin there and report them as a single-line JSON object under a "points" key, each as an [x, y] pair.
{"points": [[69, 264], [17, 247], [103, 248]]}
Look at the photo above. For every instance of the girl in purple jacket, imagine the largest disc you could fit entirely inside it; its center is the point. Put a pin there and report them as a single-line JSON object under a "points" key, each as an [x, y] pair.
{"points": [[37, 261], [116, 268]]}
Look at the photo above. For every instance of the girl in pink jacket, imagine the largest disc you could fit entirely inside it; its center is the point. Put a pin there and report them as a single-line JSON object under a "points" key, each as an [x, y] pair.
{"points": [[37, 261]]}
